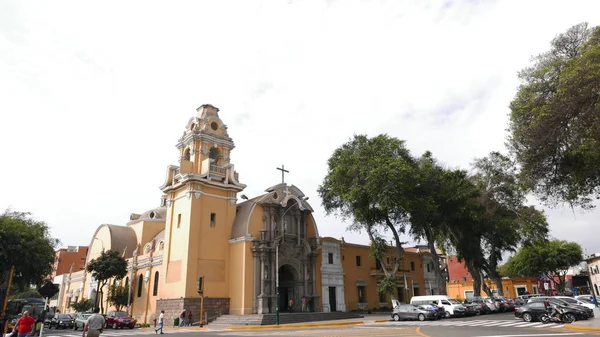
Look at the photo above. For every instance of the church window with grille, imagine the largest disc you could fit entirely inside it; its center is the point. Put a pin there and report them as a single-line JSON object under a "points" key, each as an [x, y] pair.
{"points": [[213, 220], [140, 285], [155, 290]]}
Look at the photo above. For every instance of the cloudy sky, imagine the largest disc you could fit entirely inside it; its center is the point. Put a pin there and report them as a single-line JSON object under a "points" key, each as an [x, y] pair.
{"points": [[94, 95]]}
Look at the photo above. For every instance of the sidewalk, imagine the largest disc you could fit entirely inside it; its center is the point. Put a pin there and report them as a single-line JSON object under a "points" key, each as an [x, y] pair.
{"points": [[589, 324], [368, 319], [341, 322]]}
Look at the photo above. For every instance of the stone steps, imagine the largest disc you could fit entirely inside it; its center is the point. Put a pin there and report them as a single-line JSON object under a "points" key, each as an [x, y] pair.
{"points": [[284, 318]]}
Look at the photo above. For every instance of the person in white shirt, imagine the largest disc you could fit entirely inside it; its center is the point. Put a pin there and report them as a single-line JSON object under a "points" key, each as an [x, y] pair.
{"points": [[161, 318], [94, 324]]}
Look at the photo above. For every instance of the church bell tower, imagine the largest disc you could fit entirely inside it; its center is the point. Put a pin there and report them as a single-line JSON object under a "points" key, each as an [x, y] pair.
{"points": [[200, 195]]}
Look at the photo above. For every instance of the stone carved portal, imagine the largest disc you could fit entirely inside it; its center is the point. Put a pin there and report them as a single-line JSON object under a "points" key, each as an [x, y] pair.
{"points": [[285, 219], [288, 286]]}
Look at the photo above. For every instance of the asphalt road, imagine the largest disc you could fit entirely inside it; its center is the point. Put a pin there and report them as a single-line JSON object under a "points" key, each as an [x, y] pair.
{"points": [[498, 325]]}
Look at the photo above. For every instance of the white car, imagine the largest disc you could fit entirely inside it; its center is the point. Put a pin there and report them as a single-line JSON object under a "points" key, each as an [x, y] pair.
{"points": [[572, 300]]}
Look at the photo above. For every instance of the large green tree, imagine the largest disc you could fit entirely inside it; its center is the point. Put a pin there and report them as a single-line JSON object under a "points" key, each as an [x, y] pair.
{"points": [[509, 222], [555, 120], [110, 264], [438, 210], [119, 296], [26, 244], [551, 258], [370, 181], [82, 305]]}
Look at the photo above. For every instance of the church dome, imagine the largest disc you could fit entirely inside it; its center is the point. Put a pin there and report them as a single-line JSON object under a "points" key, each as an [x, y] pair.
{"points": [[156, 214]]}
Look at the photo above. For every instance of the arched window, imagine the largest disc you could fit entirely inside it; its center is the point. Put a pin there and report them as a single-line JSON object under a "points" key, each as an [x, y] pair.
{"points": [[127, 281], [213, 153], [186, 154], [140, 285], [155, 290]]}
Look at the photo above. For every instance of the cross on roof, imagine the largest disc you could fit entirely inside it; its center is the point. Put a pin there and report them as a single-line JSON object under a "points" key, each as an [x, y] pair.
{"points": [[283, 172]]}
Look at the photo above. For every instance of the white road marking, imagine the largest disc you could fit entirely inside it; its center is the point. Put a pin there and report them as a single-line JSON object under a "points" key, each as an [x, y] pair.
{"points": [[538, 334]]}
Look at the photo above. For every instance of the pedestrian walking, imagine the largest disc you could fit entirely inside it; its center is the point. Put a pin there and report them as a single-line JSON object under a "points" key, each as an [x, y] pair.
{"points": [[182, 319], [161, 321], [24, 325], [94, 324], [189, 316]]}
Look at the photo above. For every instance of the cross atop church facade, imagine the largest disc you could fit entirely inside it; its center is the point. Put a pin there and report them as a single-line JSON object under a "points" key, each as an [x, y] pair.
{"points": [[283, 172]]}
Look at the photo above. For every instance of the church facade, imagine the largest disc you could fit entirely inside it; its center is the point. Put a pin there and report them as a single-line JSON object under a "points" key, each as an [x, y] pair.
{"points": [[242, 248]]}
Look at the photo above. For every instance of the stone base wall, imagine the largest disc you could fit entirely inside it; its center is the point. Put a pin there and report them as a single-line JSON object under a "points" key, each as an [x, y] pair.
{"points": [[213, 307]]}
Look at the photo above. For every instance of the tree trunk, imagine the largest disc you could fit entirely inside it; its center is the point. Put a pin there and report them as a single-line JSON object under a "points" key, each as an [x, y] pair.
{"points": [[439, 277], [396, 264], [493, 274], [485, 287], [476, 278]]}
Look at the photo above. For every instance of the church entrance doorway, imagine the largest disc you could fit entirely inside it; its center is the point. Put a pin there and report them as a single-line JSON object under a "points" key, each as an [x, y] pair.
{"points": [[287, 288], [332, 299]]}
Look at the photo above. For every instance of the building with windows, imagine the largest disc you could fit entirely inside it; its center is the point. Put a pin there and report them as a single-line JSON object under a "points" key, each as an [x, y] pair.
{"points": [[593, 264], [513, 287], [203, 227], [67, 258]]}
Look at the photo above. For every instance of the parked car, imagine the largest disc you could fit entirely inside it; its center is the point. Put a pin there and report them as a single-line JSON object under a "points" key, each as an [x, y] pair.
{"points": [[589, 298], [472, 309], [532, 311], [119, 319], [80, 320], [580, 311], [439, 311], [483, 308], [409, 311], [572, 300], [452, 306], [61, 321]]}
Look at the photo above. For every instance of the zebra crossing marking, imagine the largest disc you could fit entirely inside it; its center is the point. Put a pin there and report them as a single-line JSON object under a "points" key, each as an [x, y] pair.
{"points": [[479, 323]]}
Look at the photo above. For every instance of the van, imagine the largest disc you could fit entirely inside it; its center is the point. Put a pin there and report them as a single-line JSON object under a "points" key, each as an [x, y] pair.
{"points": [[452, 306]]}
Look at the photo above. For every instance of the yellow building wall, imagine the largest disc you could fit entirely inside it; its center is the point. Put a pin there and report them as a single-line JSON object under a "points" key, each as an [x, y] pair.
{"points": [[368, 273], [458, 290], [208, 246], [176, 245], [241, 270]]}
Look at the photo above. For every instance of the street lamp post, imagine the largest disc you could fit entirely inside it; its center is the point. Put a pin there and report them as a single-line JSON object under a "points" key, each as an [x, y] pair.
{"points": [[277, 282]]}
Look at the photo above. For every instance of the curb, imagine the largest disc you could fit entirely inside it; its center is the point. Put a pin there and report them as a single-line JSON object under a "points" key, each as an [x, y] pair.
{"points": [[291, 326], [577, 327], [382, 320], [177, 329]]}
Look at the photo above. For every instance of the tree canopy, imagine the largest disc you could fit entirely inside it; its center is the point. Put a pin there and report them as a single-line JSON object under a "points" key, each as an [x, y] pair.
{"points": [[82, 305], [507, 222], [370, 182], [109, 264], [119, 296], [25, 243], [555, 120], [545, 258], [378, 185]]}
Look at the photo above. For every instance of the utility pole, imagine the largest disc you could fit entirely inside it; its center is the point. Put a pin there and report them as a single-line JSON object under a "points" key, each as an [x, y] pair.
{"points": [[201, 293], [5, 304]]}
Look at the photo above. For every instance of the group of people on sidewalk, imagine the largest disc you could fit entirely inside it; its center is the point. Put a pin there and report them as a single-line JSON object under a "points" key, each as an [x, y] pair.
{"points": [[25, 326], [185, 319]]}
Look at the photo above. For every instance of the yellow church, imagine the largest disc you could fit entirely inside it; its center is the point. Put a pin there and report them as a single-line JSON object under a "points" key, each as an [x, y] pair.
{"points": [[238, 246]]}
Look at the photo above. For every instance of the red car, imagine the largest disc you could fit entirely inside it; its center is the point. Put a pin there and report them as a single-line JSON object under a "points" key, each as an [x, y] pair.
{"points": [[119, 319]]}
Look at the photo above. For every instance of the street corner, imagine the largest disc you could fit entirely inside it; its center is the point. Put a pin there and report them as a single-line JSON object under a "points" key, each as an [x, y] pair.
{"points": [[293, 326]]}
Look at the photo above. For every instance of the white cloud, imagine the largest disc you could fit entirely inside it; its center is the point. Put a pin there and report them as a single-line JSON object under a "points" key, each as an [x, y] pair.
{"points": [[94, 96]]}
